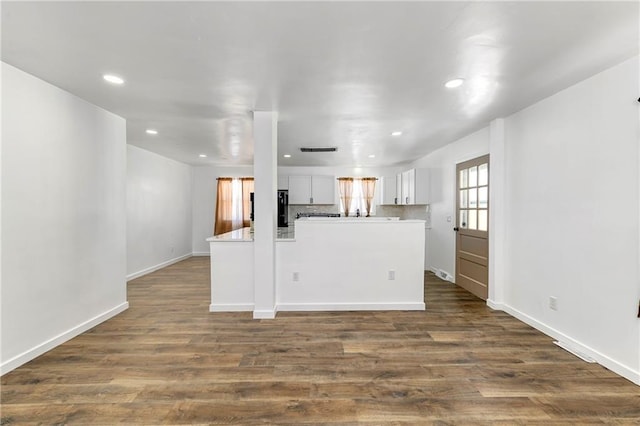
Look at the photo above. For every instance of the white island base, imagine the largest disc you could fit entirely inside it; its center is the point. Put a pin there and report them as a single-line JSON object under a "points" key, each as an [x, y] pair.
{"points": [[330, 265]]}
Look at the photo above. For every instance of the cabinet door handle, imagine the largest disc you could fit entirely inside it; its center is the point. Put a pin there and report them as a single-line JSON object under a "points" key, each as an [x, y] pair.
{"points": [[407, 202], [311, 200]]}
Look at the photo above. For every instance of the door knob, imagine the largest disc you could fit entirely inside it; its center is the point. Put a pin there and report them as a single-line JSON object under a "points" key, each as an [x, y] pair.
{"points": [[456, 229]]}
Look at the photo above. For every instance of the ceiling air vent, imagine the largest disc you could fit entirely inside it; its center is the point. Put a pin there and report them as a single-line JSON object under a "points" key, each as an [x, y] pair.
{"points": [[323, 149]]}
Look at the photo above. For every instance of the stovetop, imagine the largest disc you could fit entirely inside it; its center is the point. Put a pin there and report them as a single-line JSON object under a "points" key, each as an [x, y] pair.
{"points": [[299, 215]]}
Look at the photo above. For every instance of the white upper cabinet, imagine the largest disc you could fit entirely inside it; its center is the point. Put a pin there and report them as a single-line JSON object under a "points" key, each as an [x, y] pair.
{"points": [[299, 189], [323, 189], [417, 186], [318, 189], [283, 182], [388, 193], [407, 188]]}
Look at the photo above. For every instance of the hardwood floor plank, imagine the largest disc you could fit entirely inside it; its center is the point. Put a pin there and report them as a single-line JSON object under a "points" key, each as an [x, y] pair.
{"points": [[69, 394], [252, 412], [596, 406], [450, 409], [247, 390], [378, 391], [168, 360]]}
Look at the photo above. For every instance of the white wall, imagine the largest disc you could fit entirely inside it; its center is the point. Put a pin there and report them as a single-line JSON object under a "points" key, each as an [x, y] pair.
{"points": [[158, 211], [572, 185], [571, 207], [441, 237], [63, 216]]}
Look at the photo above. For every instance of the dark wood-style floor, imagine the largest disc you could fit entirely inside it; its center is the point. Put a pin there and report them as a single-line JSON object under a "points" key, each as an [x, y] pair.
{"points": [[168, 360]]}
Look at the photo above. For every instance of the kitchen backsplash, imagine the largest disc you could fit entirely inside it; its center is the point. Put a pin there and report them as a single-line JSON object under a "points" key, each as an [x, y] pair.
{"points": [[313, 208], [421, 212]]}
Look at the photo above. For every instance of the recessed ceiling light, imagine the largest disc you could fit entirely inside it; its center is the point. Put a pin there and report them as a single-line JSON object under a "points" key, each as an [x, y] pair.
{"points": [[372, 156], [287, 156], [396, 133], [114, 79], [203, 156], [152, 132], [452, 84]]}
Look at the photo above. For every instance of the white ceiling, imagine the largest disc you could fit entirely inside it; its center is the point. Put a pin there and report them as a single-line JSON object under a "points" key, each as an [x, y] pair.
{"points": [[335, 71]]}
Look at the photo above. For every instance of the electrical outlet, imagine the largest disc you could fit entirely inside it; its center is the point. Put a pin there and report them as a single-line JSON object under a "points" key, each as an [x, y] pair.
{"points": [[392, 274], [296, 276], [553, 303]]}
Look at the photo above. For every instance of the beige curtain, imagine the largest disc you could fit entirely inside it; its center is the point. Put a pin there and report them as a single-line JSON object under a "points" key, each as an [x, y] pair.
{"points": [[345, 184], [223, 221], [368, 190], [247, 189]]}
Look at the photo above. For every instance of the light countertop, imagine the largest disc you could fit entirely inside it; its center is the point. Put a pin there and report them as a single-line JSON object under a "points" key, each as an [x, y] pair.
{"points": [[357, 220], [288, 233], [246, 235]]}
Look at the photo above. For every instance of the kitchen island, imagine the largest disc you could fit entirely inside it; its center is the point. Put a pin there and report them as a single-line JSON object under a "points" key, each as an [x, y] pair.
{"points": [[329, 264]]}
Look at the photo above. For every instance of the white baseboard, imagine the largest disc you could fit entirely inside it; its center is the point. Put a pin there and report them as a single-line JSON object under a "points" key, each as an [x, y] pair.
{"points": [[158, 266], [298, 307], [231, 307], [38, 350], [495, 305], [200, 253], [575, 346], [265, 314], [442, 274]]}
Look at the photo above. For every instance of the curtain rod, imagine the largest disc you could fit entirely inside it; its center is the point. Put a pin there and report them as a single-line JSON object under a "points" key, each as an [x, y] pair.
{"points": [[241, 178], [361, 178]]}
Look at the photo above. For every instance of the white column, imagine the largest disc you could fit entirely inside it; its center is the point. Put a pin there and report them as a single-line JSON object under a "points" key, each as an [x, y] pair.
{"points": [[265, 172], [497, 225]]}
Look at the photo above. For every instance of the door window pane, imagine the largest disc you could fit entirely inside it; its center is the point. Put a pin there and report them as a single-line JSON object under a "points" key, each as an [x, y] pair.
{"points": [[483, 197], [483, 174], [463, 178], [464, 199], [463, 219], [473, 222], [473, 198], [473, 176], [483, 220]]}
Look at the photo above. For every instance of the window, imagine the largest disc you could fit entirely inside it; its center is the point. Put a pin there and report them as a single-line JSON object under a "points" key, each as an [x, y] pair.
{"points": [[358, 201], [233, 204]]}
